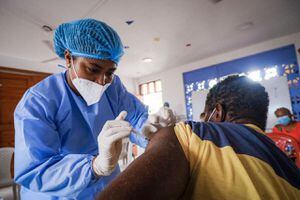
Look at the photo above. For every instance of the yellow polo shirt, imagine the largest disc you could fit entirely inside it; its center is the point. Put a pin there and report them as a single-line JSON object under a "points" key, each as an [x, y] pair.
{"points": [[233, 161]]}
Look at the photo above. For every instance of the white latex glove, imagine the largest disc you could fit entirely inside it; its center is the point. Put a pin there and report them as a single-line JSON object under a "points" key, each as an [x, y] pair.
{"points": [[163, 118], [110, 144]]}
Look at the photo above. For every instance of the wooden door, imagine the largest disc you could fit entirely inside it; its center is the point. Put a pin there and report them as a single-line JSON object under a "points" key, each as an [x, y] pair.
{"points": [[13, 84]]}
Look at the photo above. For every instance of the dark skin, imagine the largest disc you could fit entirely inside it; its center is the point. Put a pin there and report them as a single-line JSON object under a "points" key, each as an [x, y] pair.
{"points": [[96, 70], [285, 112], [221, 115], [162, 172], [218, 116]]}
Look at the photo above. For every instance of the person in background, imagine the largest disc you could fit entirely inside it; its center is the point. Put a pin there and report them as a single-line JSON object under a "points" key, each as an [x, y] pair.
{"points": [[69, 127], [166, 112], [286, 124], [202, 117], [166, 105], [227, 157], [163, 118]]}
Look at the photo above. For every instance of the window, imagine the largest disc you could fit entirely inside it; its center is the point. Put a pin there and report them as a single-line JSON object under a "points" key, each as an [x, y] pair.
{"points": [[151, 93], [271, 72], [255, 75]]}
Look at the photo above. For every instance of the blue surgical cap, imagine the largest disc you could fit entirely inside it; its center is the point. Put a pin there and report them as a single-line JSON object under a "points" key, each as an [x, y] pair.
{"points": [[88, 38]]}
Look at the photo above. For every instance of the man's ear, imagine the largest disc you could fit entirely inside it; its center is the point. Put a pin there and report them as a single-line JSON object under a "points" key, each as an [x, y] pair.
{"points": [[68, 58], [219, 115]]}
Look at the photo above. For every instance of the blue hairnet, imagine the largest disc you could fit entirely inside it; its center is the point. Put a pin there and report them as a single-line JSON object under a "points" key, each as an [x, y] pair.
{"points": [[88, 38]]}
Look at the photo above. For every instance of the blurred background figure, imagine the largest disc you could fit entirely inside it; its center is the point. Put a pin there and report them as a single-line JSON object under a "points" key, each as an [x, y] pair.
{"points": [[167, 113], [166, 105], [286, 124], [202, 117], [286, 134]]}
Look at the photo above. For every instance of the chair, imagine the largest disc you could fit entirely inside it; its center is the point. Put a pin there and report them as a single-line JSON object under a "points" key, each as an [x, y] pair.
{"points": [[6, 179], [288, 145]]}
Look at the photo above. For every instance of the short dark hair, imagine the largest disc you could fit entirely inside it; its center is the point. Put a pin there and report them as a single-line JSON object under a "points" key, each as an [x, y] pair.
{"points": [[240, 97], [166, 104], [284, 109]]}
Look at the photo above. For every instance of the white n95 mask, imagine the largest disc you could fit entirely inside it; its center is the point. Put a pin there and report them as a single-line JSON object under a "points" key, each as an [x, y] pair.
{"points": [[90, 91]]}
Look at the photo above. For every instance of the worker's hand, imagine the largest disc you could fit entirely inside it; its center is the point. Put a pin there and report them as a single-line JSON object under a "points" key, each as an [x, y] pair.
{"points": [[164, 118], [110, 144]]}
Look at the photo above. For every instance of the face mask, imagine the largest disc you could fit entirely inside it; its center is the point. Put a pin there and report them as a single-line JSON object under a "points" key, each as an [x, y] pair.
{"points": [[284, 120], [90, 91]]}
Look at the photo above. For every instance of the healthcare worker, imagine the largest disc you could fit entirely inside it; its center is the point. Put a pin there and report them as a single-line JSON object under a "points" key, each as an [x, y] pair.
{"points": [[69, 127]]}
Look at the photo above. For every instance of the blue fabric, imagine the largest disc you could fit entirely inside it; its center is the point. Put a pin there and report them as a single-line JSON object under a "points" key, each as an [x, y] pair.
{"points": [[56, 138], [88, 38], [245, 140]]}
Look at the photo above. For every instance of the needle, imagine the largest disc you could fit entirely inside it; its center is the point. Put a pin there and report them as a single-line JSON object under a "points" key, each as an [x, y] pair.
{"points": [[139, 134]]}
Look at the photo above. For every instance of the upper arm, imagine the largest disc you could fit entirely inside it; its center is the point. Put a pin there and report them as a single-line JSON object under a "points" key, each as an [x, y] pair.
{"points": [[38, 159], [162, 172], [35, 130], [35, 134]]}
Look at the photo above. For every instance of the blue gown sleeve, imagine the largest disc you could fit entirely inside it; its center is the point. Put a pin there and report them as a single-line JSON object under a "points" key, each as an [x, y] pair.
{"points": [[137, 112], [39, 165]]}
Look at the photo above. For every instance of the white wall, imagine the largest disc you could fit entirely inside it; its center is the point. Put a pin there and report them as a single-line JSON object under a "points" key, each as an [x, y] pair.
{"points": [[12, 62], [129, 83], [172, 79]]}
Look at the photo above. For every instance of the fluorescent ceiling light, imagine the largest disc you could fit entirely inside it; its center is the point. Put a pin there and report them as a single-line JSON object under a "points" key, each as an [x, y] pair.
{"points": [[147, 60]]}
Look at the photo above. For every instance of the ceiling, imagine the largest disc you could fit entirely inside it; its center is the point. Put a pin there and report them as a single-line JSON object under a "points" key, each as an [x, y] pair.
{"points": [[161, 28]]}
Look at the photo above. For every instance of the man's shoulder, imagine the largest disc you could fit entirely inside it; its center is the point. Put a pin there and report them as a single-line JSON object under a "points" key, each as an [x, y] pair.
{"points": [[207, 130], [49, 85], [237, 136], [46, 92], [50, 90], [165, 136]]}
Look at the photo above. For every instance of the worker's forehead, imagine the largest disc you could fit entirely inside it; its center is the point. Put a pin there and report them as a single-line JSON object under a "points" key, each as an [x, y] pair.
{"points": [[98, 62]]}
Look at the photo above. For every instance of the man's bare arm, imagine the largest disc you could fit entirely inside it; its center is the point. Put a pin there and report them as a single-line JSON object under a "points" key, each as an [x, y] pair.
{"points": [[162, 172]]}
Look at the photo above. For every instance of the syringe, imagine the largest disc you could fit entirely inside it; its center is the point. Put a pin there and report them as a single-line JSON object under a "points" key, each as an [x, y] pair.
{"points": [[138, 133]]}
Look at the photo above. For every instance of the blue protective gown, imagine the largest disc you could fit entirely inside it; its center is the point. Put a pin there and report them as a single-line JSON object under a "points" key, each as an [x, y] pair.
{"points": [[56, 138]]}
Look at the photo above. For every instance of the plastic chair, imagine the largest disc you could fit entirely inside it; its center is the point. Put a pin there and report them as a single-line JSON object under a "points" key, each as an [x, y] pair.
{"points": [[288, 145], [6, 179]]}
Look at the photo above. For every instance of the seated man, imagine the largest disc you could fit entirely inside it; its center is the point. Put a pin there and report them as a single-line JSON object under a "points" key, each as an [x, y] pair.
{"points": [[226, 157]]}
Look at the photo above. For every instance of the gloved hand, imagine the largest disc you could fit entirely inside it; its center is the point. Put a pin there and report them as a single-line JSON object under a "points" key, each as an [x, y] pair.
{"points": [[110, 144], [163, 118]]}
